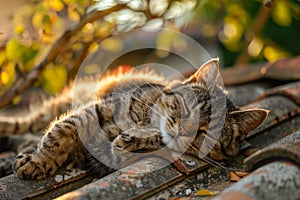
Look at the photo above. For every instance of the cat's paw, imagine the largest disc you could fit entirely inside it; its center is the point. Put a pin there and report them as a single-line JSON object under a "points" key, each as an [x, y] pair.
{"points": [[123, 143], [29, 166]]}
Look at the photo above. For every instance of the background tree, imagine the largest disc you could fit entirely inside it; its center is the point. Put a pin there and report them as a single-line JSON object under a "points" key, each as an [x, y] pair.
{"points": [[52, 38]]}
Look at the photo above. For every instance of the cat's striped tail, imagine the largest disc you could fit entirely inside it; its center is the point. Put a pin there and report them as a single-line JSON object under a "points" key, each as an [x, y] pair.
{"points": [[37, 119]]}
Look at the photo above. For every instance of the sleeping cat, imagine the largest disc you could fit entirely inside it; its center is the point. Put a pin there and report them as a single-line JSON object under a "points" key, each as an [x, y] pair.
{"points": [[139, 111]]}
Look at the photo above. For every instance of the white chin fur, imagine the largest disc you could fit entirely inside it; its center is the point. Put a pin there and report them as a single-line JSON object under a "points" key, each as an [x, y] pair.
{"points": [[166, 138]]}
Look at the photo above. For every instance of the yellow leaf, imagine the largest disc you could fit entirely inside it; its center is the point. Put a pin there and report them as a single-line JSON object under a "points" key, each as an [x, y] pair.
{"points": [[19, 29], [54, 78], [37, 19], [114, 45], [233, 177], [57, 5], [104, 29], [241, 174], [77, 46], [72, 13], [272, 53], [2, 58], [93, 47], [13, 49], [204, 192], [4, 77], [281, 14], [8, 74], [16, 100]]}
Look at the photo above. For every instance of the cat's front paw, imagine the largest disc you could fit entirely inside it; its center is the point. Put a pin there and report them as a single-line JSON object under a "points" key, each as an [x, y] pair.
{"points": [[123, 143], [29, 166]]}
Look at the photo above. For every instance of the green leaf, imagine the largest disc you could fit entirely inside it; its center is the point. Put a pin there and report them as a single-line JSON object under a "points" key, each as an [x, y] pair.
{"points": [[8, 74], [54, 78], [281, 14], [14, 49]]}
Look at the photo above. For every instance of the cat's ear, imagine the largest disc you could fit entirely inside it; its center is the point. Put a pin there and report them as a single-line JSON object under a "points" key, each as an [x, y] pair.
{"points": [[247, 120], [207, 73]]}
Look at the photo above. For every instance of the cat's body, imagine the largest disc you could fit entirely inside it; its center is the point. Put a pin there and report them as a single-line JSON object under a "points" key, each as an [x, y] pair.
{"points": [[139, 112]]}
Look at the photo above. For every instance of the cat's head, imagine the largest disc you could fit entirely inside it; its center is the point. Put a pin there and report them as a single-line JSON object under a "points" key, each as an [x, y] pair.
{"points": [[197, 115]]}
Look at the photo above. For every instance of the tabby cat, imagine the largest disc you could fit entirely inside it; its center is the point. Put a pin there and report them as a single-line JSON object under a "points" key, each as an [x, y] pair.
{"points": [[138, 111]]}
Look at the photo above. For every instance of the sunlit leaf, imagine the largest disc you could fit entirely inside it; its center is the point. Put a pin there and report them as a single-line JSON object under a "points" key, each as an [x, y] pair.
{"points": [[112, 44], [54, 78], [204, 192], [272, 53], [233, 177], [238, 13], [57, 5], [101, 5], [103, 29], [4, 77], [241, 174], [232, 29], [29, 54], [158, 7], [179, 9], [281, 14], [77, 46], [72, 13], [255, 47], [93, 47], [13, 49], [138, 4], [154, 23], [19, 29], [8, 74], [38, 19], [16, 100], [2, 58], [88, 32]]}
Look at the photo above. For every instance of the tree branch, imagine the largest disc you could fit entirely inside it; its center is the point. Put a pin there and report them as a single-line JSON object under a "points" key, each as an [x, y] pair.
{"points": [[22, 84], [62, 42]]}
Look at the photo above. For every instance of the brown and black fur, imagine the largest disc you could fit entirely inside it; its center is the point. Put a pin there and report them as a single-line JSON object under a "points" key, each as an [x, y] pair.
{"points": [[142, 111]]}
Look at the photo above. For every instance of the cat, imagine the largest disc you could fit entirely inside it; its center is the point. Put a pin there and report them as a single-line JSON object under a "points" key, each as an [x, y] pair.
{"points": [[138, 111]]}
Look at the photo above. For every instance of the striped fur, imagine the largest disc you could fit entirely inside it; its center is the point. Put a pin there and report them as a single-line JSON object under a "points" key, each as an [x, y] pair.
{"points": [[141, 112]]}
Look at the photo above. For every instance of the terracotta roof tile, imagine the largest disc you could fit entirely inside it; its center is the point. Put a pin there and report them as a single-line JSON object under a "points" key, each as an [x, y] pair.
{"points": [[285, 70], [276, 180], [287, 149]]}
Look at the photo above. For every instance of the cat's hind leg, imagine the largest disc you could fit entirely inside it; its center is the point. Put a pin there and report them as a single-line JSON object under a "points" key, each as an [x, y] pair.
{"points": [[52, 151]]}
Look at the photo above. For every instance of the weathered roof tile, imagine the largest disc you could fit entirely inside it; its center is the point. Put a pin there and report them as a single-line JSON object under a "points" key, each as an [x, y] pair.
{"points": [[285, 70], [270, 177], [276, 180], [287, 148]]}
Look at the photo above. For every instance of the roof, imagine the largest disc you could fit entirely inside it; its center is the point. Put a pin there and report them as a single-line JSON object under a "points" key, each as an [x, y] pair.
{"points": [[274, 168]]}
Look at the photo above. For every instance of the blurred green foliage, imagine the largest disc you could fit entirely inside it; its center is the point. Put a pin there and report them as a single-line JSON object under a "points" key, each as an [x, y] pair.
{"points": [[248, 28], [36, 26], [51, 38]]}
